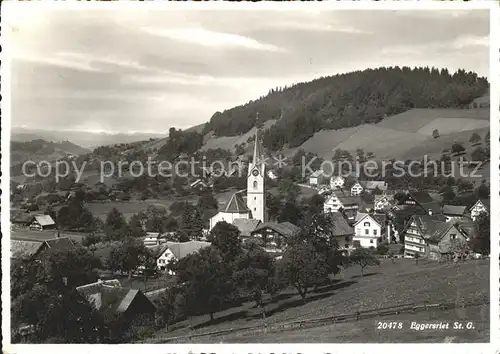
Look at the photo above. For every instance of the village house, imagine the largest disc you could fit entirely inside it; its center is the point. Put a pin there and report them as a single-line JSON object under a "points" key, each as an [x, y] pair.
{"points": [[317, 178], [454, 211], [110, 297], [356, 189], [481, 206], [272, 175], [370, 230], [246, 226], [154, 239], [32, 249], [176, 251], [42, 222], [337, 182], [339, 202], [382, 202], [431, 236], [372, 186], [273, 235], [343, 233], [424, 201]]}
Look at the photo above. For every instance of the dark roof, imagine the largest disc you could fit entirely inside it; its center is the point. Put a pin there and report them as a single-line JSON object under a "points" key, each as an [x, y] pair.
{"points": [[431, 226], [486, 203], [236, 205], [60, 244], [246, 226], [381, 185], [432, 206], [349, 200], [454, 210], [95, 288], [21, 217], [22, 248], [285, 228], [341, 227], [421, 197]]}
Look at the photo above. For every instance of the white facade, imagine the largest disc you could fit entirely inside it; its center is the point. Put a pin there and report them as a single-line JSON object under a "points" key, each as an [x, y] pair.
{"points": [[367, 231], [477, 209], [356, 189], [227, 217], [256, 196], [163, 260], [337, 182], [332, 204], [382, 203]]}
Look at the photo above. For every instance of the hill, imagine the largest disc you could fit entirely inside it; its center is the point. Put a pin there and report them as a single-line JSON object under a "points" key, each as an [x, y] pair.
{"points": [[40, 149], [347, 100]]}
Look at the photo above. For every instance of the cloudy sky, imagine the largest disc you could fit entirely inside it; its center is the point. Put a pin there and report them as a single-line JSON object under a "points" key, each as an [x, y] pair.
{"points": [[133, 70]]}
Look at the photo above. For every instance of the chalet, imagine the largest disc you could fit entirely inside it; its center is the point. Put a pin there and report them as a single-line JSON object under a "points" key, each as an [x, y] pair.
{"points": [[481, 206], [317, 178], [424, 201], [154, 239], [21, 219], [109, 297], [337, 182], [338, 201], [176, 251], [343, 232], [370, 230], [274, 235], [431, 236], [454, 211], [42, 222], [235, 208]]}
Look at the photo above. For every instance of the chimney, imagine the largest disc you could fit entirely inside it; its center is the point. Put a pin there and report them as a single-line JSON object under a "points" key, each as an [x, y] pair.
{"points": [[430, 212]]}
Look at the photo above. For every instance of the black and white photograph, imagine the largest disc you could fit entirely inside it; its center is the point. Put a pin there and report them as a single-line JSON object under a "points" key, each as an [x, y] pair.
{"points": [[235, 175]]}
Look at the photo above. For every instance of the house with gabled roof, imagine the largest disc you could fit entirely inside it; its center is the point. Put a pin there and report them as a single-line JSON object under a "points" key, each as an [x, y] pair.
{"points": [[246, 226], [337, 182], [274, 235], [370, 229], [382, 202], [423, 200], [454, 211], [317, 178], [342, 232], [33, 248], [481, 206], [176, 251], [109, 297], [235, 208], [431, 236], [340, 202], [42, 222]]}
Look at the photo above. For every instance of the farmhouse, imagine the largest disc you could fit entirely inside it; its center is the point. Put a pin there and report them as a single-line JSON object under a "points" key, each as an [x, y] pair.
{"points": [[317, 178], [382, 202], [356, 189], [21, 219], [111, 298], [274, 234], [176, 251], [42, 222], [481, 206], [424, 201], [154, 239], [369, 230], [338, 201], [372, 186], [33, 249], [432, 236], [454, 211]]}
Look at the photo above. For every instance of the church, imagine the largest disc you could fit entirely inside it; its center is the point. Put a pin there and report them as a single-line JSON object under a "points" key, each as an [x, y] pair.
{"points": [[254, 207]]}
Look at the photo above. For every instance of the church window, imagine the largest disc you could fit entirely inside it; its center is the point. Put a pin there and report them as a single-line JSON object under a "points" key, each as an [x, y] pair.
{"points": [[254, 209], [255, 184], [254, 198]]}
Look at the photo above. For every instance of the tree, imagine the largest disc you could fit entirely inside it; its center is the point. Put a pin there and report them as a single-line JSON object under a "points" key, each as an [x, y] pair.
{"points": [[115, 226], [487, 138], [171, 305], [483, 191], [208, 206], [135, 225], [126, 257], [435, 134], [457, 148], [364, 258], [480, 154], [303, 267], [192, 222], [254, 272], [206, 279], [417, 257], [480, 243], [475, 139], [226, 238], [289, 190]]}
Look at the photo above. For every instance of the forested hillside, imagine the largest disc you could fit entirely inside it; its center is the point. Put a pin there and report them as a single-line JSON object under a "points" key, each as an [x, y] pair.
{"points": [[348, 100]]}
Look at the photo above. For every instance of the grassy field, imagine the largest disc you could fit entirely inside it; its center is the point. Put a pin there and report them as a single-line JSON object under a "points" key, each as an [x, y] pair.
{"points": [[388, 285], [30, 235]]}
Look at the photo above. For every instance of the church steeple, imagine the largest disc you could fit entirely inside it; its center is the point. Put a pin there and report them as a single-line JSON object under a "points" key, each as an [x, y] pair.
{"points": [[256, 190]]}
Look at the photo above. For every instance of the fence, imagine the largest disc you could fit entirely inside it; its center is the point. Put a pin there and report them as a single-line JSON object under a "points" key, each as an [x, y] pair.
{"points": [[321, 321]]}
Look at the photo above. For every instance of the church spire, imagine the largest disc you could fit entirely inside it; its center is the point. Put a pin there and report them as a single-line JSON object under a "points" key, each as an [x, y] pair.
{"points": [[257, 150]]}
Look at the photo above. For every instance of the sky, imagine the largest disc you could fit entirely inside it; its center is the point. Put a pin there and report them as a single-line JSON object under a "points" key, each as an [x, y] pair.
{"points": [[146, 71]]}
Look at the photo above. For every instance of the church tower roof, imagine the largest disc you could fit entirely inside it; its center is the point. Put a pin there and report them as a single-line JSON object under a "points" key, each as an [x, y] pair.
{"points": [[257, 149]]}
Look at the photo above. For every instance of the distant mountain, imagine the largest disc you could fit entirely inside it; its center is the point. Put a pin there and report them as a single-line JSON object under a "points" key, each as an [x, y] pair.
{"points": [[82, 138]]}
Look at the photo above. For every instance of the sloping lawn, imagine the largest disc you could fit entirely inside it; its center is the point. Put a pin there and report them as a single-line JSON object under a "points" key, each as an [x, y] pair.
{"points": [[388, 285]]}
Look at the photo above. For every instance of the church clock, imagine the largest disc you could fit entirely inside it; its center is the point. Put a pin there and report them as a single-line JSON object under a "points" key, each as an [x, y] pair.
{"points": [[255, 172]]}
